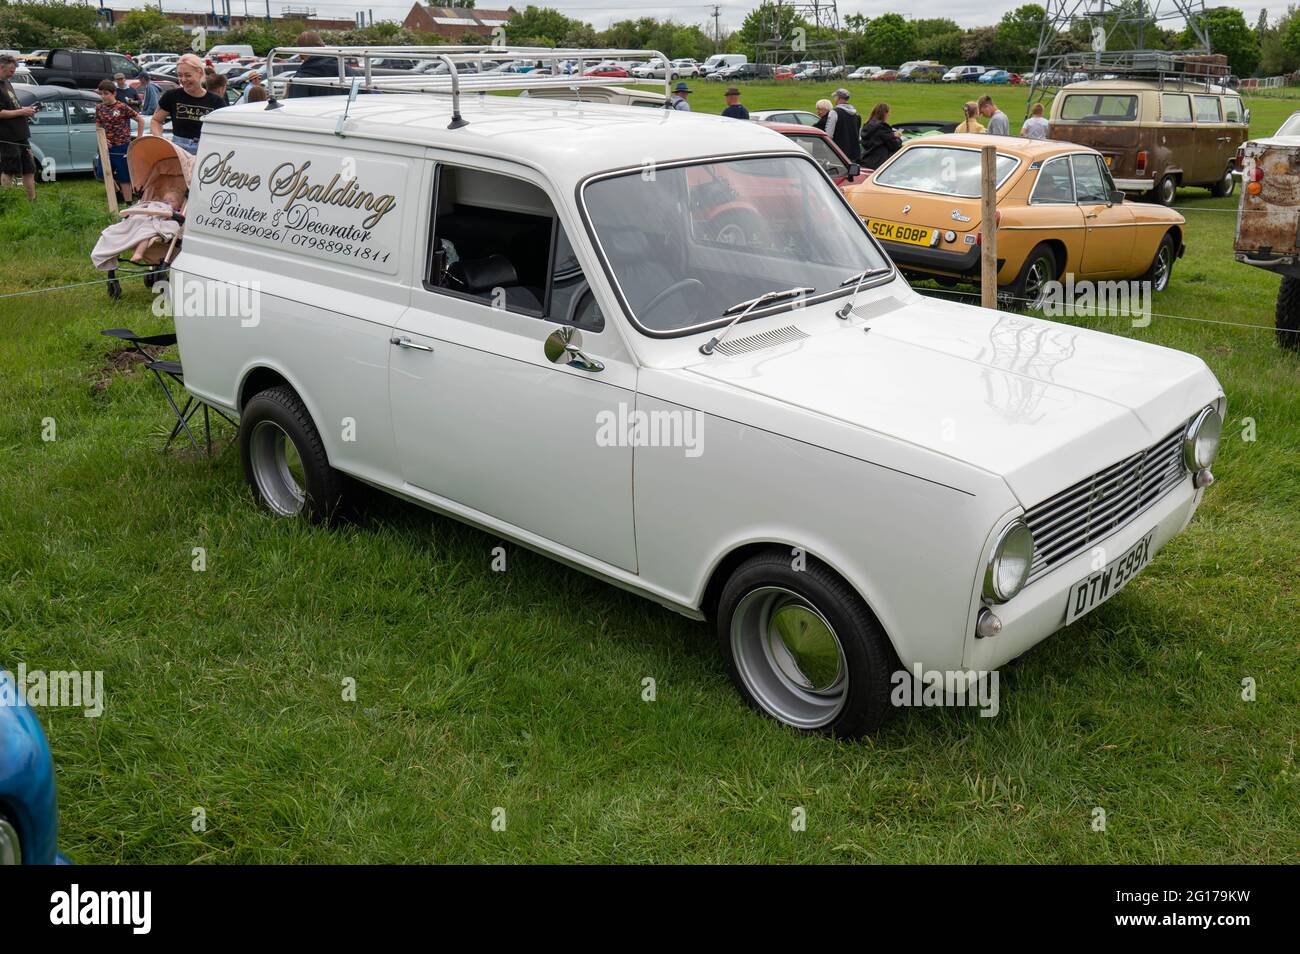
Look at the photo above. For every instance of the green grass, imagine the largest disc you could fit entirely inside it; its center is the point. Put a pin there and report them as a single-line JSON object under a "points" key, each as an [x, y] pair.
{"points": [[523, 689]]}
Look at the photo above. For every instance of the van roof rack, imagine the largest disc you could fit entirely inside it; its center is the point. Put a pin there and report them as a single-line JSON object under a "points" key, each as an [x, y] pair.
{"points": [[360, 69], [1171, 69]]}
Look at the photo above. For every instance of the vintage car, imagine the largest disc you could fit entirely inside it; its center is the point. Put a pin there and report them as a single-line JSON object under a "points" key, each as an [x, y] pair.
{"points": [[63, 128], [822, 148], [661, 348], [1156, 136], [28, 810], [1058, 212], [789, 116], [1266, 223]]}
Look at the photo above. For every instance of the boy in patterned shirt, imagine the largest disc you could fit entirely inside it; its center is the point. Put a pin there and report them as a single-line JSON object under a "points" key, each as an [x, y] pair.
{"points": [[116, 117]]}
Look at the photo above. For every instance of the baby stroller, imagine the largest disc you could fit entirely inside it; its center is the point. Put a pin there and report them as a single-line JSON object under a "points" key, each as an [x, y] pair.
{"points": [[160, 169]]}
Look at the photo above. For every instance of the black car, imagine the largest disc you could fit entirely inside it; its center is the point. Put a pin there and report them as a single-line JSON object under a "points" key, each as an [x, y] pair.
{"points": [[745, 71]]}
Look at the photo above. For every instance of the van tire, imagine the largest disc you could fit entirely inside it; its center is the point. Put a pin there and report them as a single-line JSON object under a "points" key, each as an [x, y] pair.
{"points": [[1288, 314], [1163, 260], [1225, 186], [854, 699], [271, 421], [1166, 191]]}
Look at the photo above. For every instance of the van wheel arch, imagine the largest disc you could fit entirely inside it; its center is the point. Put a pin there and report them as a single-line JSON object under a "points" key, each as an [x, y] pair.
{"points": [[261, 379]]}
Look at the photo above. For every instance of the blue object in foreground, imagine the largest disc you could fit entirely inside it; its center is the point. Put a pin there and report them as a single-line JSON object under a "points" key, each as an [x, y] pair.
{"points": [[28, 813]]}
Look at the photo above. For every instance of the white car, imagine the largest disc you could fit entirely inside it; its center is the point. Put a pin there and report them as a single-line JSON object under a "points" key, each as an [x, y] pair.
{"points": [[708, 386], [964, 74], [864, 72]]}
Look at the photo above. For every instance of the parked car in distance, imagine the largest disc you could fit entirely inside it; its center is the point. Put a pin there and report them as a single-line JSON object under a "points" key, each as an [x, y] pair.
{"points": [[823, 150], [964, 74], [22, 77], [1266, 222], [884, 76], [83, 69], [722, 60], [783, 73], [923, 73], [863, 72], [63, 128], [611, 70], [28, 806], [995, 77], [745, 71], [1156, 137], [1059, 212], [799, 117], [550, 285]]}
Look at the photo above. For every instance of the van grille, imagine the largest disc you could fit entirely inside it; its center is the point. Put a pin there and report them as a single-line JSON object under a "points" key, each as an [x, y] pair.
{"points": [[1098, 505]]}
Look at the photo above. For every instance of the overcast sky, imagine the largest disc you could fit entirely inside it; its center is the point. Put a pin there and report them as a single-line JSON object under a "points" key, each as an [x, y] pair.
{"points": [[600, 13]]}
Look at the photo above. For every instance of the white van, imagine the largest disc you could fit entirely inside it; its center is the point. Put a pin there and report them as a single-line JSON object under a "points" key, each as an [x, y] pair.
{"points": [[238, 49], [485, 305], [720, 61], [964, 74]]}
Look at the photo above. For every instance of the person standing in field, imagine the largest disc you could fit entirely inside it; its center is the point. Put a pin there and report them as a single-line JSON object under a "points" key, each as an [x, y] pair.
{"points": [[1035, 126], [844, 125], [734, 110], [15, 146], [971, 124], [115, 118], [879, 139], [186, 105], [999, 125]]}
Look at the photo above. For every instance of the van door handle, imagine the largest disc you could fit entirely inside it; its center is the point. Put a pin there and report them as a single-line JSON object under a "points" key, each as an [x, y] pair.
{"points": [[405, 342]]}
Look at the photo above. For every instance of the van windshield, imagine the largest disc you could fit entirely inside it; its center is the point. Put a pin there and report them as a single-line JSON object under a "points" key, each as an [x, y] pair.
{"points": [[686, 244], [1099, 108]]}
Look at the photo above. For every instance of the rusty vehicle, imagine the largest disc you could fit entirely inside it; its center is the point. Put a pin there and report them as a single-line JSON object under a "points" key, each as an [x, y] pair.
{"points": [[1059, 212], [1156, 135], [1266, 221]]}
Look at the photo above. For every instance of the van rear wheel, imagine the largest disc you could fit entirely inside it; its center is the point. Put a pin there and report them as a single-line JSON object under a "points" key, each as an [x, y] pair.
{"points": [[1288, 314], [1223, 188], [284, 458], [1166, 191]]}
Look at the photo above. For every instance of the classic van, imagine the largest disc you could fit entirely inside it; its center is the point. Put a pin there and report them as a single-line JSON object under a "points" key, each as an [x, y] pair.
{"points": [[1155, 136], [661, 348]]}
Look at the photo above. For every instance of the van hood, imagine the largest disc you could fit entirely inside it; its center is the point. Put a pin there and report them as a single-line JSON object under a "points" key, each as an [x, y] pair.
{"points": [[1041, 404]]}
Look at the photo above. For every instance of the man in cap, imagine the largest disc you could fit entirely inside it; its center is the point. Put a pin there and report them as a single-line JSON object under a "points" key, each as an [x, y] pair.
{"points": [[734, 109], [678, 101], [843, 125]]}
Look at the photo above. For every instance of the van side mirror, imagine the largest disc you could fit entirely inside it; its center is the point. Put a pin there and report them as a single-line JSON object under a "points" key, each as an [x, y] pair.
{"points": [[1116, 197]]}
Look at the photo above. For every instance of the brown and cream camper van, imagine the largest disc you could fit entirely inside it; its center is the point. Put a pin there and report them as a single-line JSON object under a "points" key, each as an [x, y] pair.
{"points": [[1155, 135]]}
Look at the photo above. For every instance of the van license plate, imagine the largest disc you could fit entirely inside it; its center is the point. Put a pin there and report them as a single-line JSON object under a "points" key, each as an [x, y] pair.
{"points": [[1098, 587], [907, 234]]}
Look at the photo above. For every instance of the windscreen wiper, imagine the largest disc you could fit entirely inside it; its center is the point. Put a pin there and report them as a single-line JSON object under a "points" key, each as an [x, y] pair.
{"points": [[745, 307], [844, 310]]}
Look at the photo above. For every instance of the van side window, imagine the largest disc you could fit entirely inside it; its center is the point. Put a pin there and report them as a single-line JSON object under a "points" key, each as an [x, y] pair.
{"points": [[1232, 109], [1207, 109], [497, 240], [1096, 107], [1175, 108], [1054, 184], [1088, 180]]}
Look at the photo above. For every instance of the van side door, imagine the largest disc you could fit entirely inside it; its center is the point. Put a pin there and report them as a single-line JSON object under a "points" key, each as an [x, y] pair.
{"points": [[481, 416]]}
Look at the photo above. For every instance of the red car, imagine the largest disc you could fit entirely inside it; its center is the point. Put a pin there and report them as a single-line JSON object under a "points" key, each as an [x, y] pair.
{"points": [[885, 75], [784, 73], [824, 151], [604, 69]]}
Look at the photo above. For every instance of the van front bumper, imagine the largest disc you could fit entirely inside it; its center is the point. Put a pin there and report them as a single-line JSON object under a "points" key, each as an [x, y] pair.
{"points": [[1038, 610]]}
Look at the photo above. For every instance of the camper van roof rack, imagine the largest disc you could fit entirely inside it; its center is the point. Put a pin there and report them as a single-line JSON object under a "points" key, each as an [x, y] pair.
{"points": [[1170, 68], [360, 69]]}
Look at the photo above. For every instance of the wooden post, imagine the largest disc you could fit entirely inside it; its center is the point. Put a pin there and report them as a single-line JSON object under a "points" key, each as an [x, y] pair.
{"points": [[988, 227], [108, 169]]}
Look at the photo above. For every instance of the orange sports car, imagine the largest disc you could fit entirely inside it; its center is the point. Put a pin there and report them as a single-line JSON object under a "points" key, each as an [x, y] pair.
{"points": [[1058, 212]]}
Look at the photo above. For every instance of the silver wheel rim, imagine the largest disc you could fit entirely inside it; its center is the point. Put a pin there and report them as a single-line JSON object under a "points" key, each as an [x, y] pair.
{"points": [[277, 468], [789, 657], [1228, 183], [1036, 279], [1167, 191], [1161, 277]]}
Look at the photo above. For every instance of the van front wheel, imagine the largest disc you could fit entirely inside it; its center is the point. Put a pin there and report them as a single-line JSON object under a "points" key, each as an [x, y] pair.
{"points": [[284, 459]]}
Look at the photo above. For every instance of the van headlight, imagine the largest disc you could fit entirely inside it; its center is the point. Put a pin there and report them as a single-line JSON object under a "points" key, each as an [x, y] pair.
{"points": [[1201, 442], [1009, 563]]}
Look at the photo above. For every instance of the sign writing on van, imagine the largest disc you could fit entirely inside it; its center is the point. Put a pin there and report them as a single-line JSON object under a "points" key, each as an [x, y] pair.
{"points": [[329, 211]]}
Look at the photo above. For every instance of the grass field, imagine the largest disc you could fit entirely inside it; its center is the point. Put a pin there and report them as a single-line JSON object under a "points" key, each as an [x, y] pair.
{"points": [[478, 690]]}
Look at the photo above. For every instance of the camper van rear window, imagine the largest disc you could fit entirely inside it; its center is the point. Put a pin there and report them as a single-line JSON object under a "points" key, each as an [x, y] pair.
{"points": [[342, 211]]}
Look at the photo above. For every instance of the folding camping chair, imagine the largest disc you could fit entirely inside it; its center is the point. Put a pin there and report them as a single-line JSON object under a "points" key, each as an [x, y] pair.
{"points": [[172, 369]]}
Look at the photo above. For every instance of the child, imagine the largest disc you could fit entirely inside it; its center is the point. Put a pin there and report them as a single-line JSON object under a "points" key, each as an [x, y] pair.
{"points": [[171, 202], [115, 117]]}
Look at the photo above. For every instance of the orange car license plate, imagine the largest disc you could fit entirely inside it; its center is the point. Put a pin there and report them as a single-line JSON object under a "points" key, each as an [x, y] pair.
{"points": [[907, 234]]}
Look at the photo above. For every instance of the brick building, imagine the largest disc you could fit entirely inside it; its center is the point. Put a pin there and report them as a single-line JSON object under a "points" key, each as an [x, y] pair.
{"points": [[452, 23]]}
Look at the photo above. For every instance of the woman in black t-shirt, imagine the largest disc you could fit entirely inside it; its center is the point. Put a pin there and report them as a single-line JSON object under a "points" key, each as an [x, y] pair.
{"points": [[186, 105]]}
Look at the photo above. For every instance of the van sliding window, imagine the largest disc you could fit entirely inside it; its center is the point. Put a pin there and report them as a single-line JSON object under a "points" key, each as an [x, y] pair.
{"points": [[497, 240]]}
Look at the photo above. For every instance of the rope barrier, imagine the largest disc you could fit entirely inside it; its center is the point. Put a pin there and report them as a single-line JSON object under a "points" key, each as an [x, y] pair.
{"points": [[54, 288]]}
